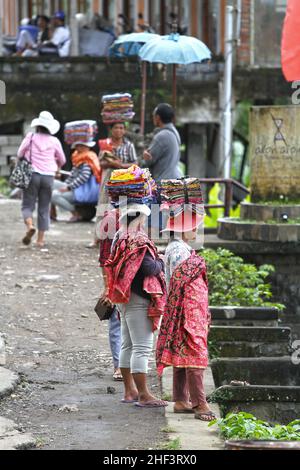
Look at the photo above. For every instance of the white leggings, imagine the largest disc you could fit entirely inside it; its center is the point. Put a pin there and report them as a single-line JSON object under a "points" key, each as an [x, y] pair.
{"points": [[136, 335]]}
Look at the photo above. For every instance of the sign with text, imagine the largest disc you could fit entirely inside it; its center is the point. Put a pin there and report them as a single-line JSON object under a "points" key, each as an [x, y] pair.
{"points": [[275, 153]]}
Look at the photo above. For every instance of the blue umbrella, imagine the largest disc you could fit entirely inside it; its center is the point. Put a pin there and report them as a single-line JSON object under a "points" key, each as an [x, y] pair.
{"points": [[175, 49], [130, 44]]}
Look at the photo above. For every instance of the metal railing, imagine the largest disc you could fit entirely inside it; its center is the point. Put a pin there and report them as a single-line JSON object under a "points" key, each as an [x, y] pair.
{"points": [[228, 197]]}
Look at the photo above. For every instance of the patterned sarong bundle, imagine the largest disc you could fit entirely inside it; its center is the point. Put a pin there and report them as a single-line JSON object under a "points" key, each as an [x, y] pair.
{"points": [[80, 131], [177, 194], [134, 185], [117, 108]]}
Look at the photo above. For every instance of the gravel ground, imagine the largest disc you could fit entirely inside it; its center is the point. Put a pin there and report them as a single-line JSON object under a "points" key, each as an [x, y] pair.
{"points": [[67, 398]]}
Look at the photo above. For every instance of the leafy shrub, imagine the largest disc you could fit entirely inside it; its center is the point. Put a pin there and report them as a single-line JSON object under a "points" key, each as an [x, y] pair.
{"points": [[236, 283], [4, 187], [241, 426]]}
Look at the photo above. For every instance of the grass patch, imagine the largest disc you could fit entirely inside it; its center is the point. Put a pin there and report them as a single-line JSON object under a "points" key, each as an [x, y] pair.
{"points": [[174, 444], [168, 430], [166, 397]]}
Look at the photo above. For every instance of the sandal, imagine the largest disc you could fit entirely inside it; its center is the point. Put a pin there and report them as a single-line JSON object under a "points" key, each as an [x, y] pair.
{"points": [[118, 377], [152, 404], [28, 237], [208, 416]]}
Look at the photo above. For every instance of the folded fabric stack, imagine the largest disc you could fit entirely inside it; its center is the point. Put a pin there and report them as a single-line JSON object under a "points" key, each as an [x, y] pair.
{"points": [[80, 131], [134, 185], [117, 108], [177, 194]]}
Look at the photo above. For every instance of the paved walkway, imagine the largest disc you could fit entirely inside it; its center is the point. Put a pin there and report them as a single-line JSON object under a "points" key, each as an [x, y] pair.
{"points": [[192, 433]]}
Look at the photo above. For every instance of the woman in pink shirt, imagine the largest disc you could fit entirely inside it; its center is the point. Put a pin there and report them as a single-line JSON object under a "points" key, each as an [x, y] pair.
{"points": [[46, 155]]}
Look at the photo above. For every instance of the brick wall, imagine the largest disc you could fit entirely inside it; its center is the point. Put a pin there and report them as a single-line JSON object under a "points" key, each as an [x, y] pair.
{"points": [[244, 50]]}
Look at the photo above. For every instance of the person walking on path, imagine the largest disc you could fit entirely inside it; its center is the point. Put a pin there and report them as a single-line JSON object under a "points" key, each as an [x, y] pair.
{"points": [[136, 283], [108, 228], [163, 155], [182, 340], [46, 155], [85, 165]]}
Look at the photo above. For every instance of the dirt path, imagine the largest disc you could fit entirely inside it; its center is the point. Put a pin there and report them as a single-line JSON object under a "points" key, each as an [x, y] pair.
{"points": [[55, 341]]}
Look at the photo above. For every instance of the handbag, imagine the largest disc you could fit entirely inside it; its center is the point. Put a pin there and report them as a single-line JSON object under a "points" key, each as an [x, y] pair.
{"points": [[103, 311], [22, 173], [87, 193]]}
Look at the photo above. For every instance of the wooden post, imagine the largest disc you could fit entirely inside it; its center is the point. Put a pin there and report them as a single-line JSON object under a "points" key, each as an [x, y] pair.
{"points": [[74, 29], [143, 103], [174, 86]]}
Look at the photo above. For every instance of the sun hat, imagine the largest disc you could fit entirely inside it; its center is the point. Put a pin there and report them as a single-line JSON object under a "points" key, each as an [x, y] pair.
{"points": [[185, 221], [134, 209], [87, 144], [46, 120]]}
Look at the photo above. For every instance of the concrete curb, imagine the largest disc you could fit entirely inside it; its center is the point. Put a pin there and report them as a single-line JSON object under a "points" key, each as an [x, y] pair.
{"points": [[11, 438], [193, 434], [8, 382]]}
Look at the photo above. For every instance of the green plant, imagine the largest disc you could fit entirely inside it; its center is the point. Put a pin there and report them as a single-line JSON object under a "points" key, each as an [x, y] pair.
{"points": [[234, 282], [246, 426], [166, 396], [172, 445], [4, 187], [168, 430], [213, 350]]}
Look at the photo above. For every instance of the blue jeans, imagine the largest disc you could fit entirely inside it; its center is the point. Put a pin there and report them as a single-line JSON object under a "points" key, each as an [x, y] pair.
{"points": [[115, 337]]}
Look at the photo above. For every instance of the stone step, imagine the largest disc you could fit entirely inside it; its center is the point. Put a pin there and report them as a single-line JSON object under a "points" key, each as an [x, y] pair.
{"points": [[250, 334], [244, 341], [8, 382], [249, 349], [275, 404], [11, 438], [284, 371], [245, 316]]}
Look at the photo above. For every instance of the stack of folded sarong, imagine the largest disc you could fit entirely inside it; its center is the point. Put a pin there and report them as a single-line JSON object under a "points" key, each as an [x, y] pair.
{"points": [[80, 131], [133, 185], [177, 194], [117, 108]]}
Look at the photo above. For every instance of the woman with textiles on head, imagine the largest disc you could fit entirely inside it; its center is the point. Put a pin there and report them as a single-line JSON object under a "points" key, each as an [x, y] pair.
{"points": [[135, 281], [85, 164], [182, 341], [116, 152]]}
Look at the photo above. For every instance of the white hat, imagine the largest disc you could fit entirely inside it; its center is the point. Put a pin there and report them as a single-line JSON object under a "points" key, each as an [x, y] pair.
{"points": [[46, 119], [87, 144], [134, 209]]}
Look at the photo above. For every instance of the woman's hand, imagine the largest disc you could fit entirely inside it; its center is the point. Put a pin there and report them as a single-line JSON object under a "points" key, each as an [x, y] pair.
{"points": [[105, 300]]}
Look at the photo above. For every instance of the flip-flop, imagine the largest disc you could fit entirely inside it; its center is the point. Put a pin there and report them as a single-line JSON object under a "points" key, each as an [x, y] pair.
{"points": [[152, 404], [28, 237], [202, 416], [128, 401]]}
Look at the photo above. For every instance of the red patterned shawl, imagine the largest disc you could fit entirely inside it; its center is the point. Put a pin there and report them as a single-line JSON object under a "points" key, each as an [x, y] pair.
{"points": [[121, 269], [182, 340]]}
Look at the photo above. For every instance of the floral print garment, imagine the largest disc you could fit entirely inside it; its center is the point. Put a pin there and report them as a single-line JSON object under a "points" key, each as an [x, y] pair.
{"points": [[182, 340]]}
